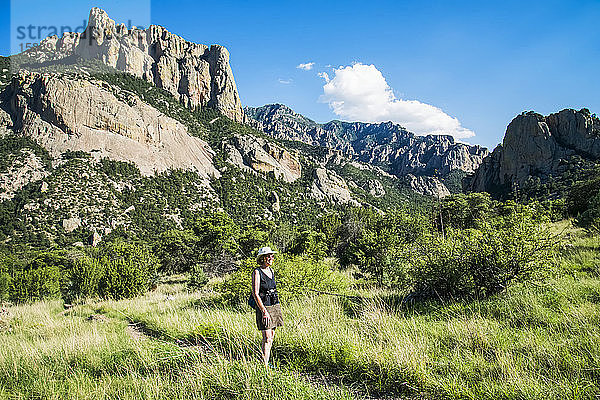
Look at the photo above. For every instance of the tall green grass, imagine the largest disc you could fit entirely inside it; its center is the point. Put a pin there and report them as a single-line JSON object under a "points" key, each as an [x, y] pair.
{"points": [[47, 353], [538, 340], [531, 342]]}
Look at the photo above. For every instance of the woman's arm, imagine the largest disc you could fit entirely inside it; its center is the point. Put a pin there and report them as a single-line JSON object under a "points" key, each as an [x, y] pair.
{"points": [[255, 291]]}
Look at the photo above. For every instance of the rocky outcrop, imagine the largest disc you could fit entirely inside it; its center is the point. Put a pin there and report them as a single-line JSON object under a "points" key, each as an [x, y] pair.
{"points": [[537, 146], [196, 74], [70, 224], [69, 113], [5, 123], [385, 144], [427, 185], [327, 185], [253, 153], [25, 167]]}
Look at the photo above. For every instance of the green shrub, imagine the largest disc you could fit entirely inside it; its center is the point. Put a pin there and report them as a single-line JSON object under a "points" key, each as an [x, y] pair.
{"points": [[235, 287], [40, 278], [590, 218], [177, 250], [217, 235], [198, 278], [295, 276], [253, 238], [4, 277], [129, 270], [5, 283], [83, 279], [478, 262], [35, 283], [370, 240], [310, 243]]}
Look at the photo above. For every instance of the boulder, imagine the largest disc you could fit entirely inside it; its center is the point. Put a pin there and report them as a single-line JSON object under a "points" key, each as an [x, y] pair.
{"points": [[427, 185], [327, 185]]}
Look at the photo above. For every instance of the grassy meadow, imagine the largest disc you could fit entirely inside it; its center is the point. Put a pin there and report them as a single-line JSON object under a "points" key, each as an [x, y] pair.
{"points": [[535, 340]]}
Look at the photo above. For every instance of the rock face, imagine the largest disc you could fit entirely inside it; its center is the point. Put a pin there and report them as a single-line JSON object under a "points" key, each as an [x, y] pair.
{"points": [[257, 154], [327, 185], [68, 113], [25, 168], [196, 74], [385, 144], [427, 185], [535, 145]]}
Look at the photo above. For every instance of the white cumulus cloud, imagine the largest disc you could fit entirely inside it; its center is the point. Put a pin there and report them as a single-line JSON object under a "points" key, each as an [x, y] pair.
{"points": [[359, 92], [307, 66], [285, 81]]}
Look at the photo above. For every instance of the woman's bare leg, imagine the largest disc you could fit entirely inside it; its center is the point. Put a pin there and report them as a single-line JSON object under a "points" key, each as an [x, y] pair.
{"points": [[267, 342]]}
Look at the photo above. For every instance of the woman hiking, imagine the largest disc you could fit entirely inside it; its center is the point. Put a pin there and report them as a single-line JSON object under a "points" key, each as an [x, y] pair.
{"points": [[264, 291]]}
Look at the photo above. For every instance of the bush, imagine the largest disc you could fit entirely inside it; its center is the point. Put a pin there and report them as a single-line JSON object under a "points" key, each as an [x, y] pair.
{"points": [[129, 270], [198, 278], [370, 240], [295, 276], [5, 283], [217, 235], [478, 262], [590, 218], [40, 278], [4, 277], [463, 211], [253, 238], [235, 287], [83, 279], [310, 243], [35, 283], [177, 251]]}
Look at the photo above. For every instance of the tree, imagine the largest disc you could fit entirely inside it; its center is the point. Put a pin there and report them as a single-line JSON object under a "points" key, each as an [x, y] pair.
{"points": [[177, 250], [217, 235]]}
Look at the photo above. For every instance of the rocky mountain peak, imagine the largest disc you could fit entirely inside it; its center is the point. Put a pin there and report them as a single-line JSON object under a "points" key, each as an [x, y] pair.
{"points": [[99, 22], [537, 146], [196, 74]]}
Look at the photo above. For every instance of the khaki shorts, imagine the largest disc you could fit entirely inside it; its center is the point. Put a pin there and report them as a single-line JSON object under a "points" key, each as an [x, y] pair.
{"points": [[276, 318]]}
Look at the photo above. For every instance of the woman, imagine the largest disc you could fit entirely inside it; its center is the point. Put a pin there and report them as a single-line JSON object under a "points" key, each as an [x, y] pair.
{"points": [[264, 291]]}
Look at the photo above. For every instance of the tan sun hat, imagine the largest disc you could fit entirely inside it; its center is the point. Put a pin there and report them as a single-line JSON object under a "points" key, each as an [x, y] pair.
{"points": [[264, 251]]}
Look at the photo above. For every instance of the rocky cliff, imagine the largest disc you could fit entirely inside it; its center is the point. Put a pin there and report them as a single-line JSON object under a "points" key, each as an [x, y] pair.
{"points": [[70, 113], [195, 74], [538, 146], [385, 144], [253, 153]]}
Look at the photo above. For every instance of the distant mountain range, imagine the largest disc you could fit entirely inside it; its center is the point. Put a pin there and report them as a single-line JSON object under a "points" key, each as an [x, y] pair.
{"points": [[387, 145]]}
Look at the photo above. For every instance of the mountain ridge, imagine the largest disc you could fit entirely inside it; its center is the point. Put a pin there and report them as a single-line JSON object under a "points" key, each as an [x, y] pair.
{"points": [[196, 74], [538, 147], [382, 144]]}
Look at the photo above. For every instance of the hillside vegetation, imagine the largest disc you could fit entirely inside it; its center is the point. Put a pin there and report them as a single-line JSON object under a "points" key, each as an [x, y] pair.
{"points": [[534, 340]]}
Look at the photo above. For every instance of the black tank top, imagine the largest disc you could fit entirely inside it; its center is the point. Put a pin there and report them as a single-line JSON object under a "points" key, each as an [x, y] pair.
{"points": [[268, 288]]}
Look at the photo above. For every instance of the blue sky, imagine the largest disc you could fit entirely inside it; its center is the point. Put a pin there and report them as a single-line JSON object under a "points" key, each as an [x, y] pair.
{"points": [[467, 65]]}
